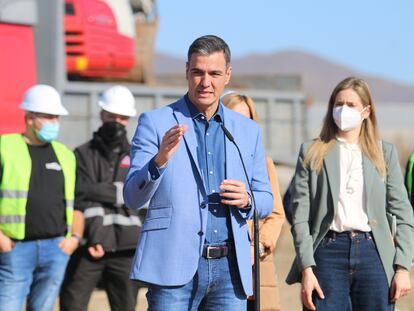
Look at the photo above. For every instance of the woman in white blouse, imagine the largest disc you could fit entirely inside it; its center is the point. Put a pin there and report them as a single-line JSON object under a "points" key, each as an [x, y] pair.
{"points": [[348, 189]]}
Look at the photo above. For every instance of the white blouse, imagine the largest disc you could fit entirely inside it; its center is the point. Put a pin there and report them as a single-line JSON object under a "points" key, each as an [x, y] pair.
{"points": [[351, 213]]}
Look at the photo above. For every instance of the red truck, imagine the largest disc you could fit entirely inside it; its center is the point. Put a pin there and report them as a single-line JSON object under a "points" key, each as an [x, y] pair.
{"points": [[99, 43], [44, 41], [99, 38], [18, 69]]}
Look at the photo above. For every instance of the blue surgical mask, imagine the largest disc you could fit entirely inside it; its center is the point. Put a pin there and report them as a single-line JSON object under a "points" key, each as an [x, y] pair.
{"points": [[48, 132]]}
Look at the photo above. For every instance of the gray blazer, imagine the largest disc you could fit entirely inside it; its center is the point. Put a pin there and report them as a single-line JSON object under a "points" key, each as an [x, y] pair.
{"points": [[315, 199]]}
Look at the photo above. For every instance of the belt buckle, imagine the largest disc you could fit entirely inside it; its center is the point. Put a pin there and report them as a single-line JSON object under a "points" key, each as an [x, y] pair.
{"points": [[208, 251], [354, 233]]}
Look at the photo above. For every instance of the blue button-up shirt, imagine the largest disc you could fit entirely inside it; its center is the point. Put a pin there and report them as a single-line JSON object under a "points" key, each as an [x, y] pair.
{"points": [[211, 153]]}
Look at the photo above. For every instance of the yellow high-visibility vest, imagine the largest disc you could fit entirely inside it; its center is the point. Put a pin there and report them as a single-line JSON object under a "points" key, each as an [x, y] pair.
{"points": [[14, 188]]}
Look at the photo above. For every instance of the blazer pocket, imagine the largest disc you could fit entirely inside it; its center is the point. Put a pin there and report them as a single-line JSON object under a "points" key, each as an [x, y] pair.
{"points": [[158, 217]]}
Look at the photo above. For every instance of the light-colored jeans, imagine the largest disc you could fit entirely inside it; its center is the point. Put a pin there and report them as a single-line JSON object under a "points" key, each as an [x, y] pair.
{"points": [[215, 286], [33, 269]]}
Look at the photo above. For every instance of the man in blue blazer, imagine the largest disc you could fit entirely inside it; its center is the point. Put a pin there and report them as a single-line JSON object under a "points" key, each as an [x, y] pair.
{"points": [[194, 247]]}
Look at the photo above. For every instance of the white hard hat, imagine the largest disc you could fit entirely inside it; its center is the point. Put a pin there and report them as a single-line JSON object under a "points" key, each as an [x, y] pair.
{"points": [[43, 98], [119, 100]]}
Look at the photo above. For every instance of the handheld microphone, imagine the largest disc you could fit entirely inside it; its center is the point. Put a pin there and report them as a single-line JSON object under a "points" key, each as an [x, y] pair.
{"points": [[231, 139], [255, 224]]}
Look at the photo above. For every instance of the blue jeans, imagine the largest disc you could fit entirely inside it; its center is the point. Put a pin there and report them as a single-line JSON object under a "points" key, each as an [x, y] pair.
{"points": [[32, 269], [350, 272], [215, 286]]}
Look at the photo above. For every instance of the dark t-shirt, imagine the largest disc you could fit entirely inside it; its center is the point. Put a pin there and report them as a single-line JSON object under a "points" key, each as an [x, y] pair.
{"points": [[45, 209]]}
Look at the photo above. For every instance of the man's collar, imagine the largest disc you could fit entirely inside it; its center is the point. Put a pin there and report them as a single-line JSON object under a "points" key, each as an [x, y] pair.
{"points": [[195, 113]]}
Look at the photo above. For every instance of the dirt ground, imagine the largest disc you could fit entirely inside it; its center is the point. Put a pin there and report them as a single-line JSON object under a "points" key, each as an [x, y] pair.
{"points": [[284, 254], [289, 294]]}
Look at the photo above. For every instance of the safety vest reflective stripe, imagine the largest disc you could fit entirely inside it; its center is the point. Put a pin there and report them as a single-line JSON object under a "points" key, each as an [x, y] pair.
{"points": [[20, 194], [94, 212], [112, 219], [69, 204], [117, 219], [13, 194], [12, 219]]}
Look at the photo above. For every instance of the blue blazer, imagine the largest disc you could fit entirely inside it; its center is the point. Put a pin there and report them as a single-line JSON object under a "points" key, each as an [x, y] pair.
{"points": [[172, 238]]}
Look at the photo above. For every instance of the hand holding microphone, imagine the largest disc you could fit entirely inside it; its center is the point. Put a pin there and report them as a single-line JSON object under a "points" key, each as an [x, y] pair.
{"points": [[242, 197], [233, 192], [239, 191]]}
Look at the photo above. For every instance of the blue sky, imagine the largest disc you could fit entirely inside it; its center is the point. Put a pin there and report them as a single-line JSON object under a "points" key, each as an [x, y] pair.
{"points": [[373, 37]]}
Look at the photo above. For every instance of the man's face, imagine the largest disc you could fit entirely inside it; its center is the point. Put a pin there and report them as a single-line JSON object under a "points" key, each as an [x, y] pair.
{"points": [[37, 119], [107, 116], [207, 76]]}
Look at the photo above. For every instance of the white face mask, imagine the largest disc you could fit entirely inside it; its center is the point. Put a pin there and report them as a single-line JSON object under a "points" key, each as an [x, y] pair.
{"points": [[347, 118]]}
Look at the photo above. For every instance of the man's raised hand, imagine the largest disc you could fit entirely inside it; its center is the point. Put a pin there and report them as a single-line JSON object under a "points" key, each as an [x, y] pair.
{"points": [[169, 144]]}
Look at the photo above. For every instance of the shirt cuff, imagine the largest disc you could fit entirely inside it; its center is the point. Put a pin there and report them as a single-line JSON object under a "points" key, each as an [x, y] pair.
{"points": [[245, 211], [155, 172]]}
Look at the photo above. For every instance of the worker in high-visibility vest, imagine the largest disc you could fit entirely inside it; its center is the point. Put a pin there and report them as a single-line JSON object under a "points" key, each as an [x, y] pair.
{"points": [[111, 229], [38, 227], [409, 171]]}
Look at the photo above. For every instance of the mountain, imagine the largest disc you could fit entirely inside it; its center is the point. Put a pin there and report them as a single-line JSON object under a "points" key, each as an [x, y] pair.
{"points": [[168, 65], [318, 75]]}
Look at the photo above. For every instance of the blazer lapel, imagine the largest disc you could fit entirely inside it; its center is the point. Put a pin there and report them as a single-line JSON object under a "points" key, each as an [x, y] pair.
{"points": [[182, 116], [333, 172], [368, 170]]}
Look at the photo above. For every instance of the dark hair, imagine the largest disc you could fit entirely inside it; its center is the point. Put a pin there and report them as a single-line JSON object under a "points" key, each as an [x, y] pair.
{"points": [[209, 44]]}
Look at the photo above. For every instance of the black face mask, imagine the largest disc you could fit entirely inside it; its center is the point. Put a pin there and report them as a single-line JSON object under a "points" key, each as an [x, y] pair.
{"points": [[112, 132]]}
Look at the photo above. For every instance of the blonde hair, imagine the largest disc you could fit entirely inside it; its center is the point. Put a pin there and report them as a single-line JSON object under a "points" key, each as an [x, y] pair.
{"points": [[233, 99], [369, 139]]}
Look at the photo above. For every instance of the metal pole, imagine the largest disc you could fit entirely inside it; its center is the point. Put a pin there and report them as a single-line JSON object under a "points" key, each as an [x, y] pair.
{"points": [[49, 41], [256, 260]]}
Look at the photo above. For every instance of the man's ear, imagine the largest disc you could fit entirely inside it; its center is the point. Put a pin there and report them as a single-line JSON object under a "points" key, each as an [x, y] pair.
{"points": [[186, 70], [28, 116], [228, 74]]}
